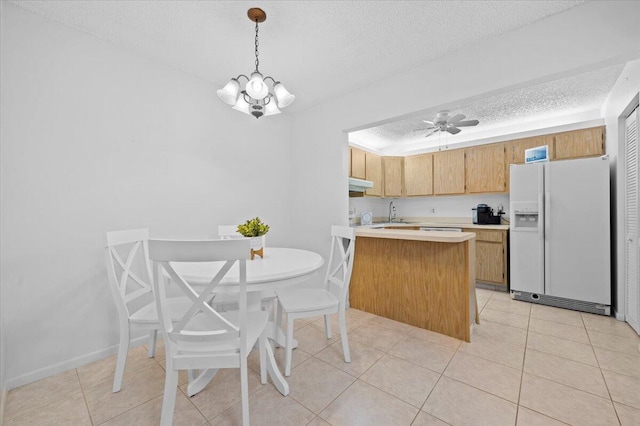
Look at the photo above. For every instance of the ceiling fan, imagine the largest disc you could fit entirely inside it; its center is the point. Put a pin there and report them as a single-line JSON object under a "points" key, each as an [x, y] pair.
{"points": [[444, 123]]}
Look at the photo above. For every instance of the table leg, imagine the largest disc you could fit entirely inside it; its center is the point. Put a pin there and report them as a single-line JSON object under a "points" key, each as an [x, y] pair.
{"points": [[276, 334], [272, 368], [201, 381]]}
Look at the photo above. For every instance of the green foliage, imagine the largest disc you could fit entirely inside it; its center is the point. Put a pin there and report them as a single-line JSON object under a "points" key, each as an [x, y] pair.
{"points": [[253, 228]]}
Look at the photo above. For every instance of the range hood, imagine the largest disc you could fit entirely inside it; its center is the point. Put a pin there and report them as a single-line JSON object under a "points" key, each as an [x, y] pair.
{"points": [[359, 185]]}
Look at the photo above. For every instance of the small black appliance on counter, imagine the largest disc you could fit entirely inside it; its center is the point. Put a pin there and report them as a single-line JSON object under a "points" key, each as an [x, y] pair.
{"points": [[483, 215]]}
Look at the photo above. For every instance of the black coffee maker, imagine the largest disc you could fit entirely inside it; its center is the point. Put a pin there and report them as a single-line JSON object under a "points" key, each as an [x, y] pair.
{"points": [[483, 215]]}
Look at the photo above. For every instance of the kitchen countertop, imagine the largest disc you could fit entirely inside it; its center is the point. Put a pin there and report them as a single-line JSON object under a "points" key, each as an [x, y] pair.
{"points": [[400, 234], [439, 222]]}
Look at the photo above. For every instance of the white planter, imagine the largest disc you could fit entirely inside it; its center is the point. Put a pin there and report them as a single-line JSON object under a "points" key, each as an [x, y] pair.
{"points": [[257, 246]]}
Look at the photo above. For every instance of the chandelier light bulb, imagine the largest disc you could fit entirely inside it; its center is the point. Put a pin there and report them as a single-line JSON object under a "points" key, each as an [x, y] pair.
{"points": [[256, 87], [242, 105], [229, 93], [282, 95], [271, 108]]}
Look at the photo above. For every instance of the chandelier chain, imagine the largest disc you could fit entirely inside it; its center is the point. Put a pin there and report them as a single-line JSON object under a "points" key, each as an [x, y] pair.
{"points": [[257, 60]]}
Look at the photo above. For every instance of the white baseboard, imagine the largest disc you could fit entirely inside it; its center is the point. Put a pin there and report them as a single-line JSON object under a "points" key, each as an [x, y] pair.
{"points": [[54, 369], [618, 315], [3, 404]]}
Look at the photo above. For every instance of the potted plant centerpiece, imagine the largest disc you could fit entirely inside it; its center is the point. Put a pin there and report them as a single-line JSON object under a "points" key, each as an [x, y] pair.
{"points": [[256, 230]]}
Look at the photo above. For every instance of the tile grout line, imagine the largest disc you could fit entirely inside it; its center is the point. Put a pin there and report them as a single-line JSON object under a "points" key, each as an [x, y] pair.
{"points": [[439, 378], [84, 397], [524, 359], [600, 369]]}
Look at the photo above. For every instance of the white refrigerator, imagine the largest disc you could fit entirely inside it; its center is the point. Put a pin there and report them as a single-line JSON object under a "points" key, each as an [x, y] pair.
{"points": [[560, 234]]}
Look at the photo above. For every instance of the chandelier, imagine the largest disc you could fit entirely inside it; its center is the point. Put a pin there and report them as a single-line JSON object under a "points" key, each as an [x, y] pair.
{"points": [[257, 98]]}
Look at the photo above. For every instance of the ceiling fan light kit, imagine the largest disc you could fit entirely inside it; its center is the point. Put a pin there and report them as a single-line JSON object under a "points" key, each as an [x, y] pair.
{"points": [[257, 98]]}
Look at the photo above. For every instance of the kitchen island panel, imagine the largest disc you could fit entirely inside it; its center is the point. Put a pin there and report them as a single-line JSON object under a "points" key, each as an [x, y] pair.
{"points": [[427, 284]]}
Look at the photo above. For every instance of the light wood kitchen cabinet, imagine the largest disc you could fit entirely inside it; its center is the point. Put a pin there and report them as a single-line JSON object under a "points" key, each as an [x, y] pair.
{"points": [[418, 175], [491, 256], [373, 173], [486, 168], [357, 163], [448, 172], [393, 176], [579, 143]]}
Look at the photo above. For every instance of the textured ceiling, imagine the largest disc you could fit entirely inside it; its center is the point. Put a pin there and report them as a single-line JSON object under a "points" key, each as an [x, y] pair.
{"points": [[318, 49], [322, 49], [571, 96]]}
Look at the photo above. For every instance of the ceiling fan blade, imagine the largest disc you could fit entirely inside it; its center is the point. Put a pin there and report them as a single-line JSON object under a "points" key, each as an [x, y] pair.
{"points": [[431, 132], [456, 118], [426, 128], [430, 123], [467, 123], [453, 130]]}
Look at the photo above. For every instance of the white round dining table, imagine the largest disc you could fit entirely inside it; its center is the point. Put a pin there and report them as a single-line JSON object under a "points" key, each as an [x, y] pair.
{"points": [[279, 268]]}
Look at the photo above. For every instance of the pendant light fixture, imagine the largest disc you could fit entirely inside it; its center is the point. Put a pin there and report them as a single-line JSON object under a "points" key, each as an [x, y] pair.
{"points": [[257, 98]]}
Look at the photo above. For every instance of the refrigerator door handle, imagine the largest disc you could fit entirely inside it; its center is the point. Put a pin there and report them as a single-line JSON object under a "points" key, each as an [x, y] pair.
{"points": [[547, 233], [541, 240]]}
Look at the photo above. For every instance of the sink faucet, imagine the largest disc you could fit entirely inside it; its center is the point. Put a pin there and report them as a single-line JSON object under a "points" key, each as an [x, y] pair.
{"points": [[392, 212]]}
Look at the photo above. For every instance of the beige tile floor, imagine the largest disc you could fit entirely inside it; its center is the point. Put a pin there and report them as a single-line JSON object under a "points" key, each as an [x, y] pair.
{"points": [[526, 365]]}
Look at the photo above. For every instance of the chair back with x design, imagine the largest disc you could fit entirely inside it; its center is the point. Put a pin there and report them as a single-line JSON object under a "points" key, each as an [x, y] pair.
{"points": [[340, 263], [127, 253], [202, 322]]}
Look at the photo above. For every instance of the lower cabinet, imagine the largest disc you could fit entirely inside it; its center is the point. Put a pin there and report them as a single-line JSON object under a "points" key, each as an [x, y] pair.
{"points": [[491, 256]]}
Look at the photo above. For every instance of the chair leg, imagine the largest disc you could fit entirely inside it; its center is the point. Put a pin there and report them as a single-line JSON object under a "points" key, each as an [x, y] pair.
{"points": [[153, 338], [169, 398], [191, 375], [244, 390], [327, 326], [123, 350], [288, 348], [343, 336]]}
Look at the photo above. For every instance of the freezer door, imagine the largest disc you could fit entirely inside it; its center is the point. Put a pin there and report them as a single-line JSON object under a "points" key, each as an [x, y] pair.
{"points": [[577, 230], [526, 241]]}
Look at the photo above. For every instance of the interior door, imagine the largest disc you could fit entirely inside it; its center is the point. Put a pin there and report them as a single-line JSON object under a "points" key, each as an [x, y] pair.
{"points": [[631, 221]]}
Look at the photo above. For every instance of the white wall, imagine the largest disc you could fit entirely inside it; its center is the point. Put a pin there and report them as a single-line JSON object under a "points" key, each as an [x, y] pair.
{"points": [[584, 38], [623, 96], [95, 139]]}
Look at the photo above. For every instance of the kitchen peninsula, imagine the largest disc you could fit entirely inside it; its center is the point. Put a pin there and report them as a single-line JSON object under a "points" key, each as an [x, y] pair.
{"points": [[422, 278]]}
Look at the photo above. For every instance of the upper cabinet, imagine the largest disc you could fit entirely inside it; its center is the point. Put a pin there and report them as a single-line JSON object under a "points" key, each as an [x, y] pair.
{"points": [[448, 172], [519, 146], [418, 175], [393, 176], [579, 143], [486, 168], [473, 170], [373, 172], [357, 164]]}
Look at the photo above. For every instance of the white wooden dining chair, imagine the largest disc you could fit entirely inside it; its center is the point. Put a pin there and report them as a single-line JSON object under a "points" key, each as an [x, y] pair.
{"points": [[330, 299], [205, 338], [127, 258]]}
